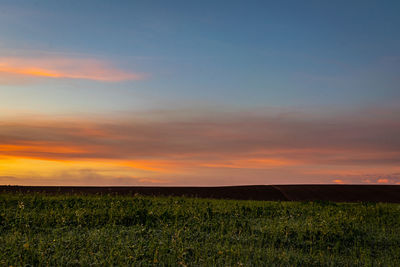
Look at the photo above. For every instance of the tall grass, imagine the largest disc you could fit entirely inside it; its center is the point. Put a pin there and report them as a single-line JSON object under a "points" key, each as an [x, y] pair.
{"points": [[38, 229]]}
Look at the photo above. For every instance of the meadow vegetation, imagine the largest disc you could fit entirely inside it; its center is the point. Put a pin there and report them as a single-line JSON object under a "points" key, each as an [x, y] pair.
{"points": [[59, 230]]}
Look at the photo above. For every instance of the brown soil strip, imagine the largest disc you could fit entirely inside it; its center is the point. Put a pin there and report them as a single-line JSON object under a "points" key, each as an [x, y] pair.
{"points": [[336, 193]]}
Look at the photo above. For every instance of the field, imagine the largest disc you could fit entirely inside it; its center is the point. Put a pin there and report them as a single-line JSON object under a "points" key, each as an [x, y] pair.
{"points": [[40, 229]]}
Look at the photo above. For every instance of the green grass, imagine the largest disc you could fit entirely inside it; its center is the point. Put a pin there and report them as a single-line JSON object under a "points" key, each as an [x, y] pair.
{"points": [[61, 230]]}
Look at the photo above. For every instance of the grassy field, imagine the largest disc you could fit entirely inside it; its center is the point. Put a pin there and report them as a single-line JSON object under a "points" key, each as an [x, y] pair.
{"points": [[60, 230]]}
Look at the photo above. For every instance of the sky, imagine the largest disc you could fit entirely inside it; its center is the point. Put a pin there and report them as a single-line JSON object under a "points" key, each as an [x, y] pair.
{"points": [[199, 93]]}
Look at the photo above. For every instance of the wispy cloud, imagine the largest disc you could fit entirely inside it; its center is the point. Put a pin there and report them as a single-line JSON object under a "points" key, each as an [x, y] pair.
{"points": [[333, 141], [290, 148], [52, 66], [338, 181]]}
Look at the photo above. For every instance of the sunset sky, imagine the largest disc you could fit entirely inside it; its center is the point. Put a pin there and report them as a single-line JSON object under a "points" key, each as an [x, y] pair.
{"points": [[199, 92]]}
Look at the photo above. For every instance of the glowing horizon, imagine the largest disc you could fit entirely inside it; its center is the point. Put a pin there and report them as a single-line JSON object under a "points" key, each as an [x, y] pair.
{"points": [[205, 150]]}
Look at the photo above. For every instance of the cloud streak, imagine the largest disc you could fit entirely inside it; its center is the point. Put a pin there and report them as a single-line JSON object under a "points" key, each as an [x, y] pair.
{"points": [[343, 141], [293, 148], [64, 67]]}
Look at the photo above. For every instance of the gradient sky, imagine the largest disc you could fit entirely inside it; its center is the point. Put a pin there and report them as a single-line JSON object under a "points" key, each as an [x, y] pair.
{"points": [[199, 92]]}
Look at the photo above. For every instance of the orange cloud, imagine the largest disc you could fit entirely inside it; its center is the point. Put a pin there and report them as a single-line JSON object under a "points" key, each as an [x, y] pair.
{"points": [[251, 163], [216, 150], [338, 181], [383, 181], [64, 67], [161, 166]]}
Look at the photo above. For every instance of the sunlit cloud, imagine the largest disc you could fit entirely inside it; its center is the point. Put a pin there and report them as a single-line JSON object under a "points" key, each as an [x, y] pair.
{"points": [[338, 181], [383, 181], [63, 67], [220, 149]]}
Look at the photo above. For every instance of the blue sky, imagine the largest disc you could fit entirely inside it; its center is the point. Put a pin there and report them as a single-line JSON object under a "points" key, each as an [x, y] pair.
{"points": [[286, 53]]}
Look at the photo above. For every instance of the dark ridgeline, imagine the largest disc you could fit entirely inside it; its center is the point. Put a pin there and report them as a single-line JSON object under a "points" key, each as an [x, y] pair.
{"points": [[336, 193]]}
